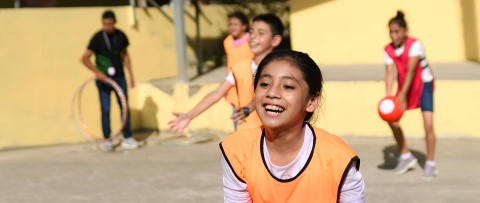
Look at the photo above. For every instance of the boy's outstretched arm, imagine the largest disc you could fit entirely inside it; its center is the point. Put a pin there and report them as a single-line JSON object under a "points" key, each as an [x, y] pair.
{"points": [[182, 120]]}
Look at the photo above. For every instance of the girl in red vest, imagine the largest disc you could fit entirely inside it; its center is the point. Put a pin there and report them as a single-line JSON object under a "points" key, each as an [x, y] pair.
{"points": [[287, 159], [415, 89]]}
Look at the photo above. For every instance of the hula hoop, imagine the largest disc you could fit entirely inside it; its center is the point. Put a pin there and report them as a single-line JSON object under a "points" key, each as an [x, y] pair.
{"points": [[80, 124]]}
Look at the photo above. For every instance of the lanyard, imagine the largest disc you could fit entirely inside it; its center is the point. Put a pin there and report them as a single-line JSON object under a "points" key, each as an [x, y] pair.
{"points": [[107, 41]]}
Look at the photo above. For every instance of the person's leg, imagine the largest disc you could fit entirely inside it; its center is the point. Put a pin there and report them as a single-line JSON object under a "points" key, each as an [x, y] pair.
{"points": [[426, 104], [406, 161], [429, 134], [128, 142], [121, 81], [398, 134], [104, 94]]}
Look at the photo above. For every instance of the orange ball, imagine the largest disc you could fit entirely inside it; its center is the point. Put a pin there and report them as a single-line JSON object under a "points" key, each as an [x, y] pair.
{"points": [[390, 109]]}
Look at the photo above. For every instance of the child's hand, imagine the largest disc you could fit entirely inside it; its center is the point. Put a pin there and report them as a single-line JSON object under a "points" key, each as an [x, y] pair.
{"points": [[403, 101], [132, 83], [239, 116], [178, 124]]}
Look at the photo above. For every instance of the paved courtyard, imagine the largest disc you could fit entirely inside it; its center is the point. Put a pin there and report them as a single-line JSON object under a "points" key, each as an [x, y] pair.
{"points": [[178, 173]]}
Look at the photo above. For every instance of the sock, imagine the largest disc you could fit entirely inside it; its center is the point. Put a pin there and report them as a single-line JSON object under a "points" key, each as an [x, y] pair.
{"points": [[430, 163], [405, 155]]}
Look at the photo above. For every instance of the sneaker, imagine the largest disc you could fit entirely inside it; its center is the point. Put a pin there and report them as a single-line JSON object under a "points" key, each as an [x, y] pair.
{"points": [[404, 165], [107, 145], [130, 143], [429, 172]]}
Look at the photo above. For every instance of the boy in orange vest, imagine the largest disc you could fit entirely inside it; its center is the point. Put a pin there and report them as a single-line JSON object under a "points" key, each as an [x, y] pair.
{"points": [[265, 35]]}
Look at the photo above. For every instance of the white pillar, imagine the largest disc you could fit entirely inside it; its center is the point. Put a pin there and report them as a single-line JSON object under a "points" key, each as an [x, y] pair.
{"points": [[180, 41]]}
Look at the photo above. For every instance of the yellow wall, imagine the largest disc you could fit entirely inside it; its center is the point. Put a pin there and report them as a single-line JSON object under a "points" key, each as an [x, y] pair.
{"points": [[352, 31], [350, 108]]}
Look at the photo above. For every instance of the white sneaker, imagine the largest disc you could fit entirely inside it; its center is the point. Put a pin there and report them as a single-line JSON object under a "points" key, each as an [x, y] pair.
{"points": [[405, 164], [107, 145], [429, 172], [130, 143]]}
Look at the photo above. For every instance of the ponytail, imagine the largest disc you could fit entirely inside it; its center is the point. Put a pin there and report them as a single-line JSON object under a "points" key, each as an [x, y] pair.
{"points": [[399, 19]]}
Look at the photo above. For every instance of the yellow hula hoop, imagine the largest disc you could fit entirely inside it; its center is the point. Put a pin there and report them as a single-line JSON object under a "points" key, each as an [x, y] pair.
{"points": [[78, 120]]}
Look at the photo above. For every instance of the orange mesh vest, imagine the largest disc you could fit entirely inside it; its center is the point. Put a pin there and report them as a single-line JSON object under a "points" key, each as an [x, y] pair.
{"points": [[234, 55], [242, 71], [319, 181]]}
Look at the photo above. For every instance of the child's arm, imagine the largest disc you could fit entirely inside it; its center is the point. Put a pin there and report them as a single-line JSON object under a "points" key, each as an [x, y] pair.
{"points": [[412, 66], [182, 120], [128, 64], [389, 78], [86, 61], [233, 189], [353, 189]]}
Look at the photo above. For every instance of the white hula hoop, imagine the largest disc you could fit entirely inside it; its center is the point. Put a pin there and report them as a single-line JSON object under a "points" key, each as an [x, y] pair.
{"points": [[78, 120]]}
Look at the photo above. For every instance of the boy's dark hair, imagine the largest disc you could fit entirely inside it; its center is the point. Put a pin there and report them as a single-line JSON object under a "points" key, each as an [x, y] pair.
{"points": [[310, 71], [240, 16], [399, 19], [109, 14], [273, 21]]}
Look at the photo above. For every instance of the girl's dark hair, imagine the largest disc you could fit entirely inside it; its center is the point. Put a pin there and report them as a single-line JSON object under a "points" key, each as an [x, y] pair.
{"points": [[399, 19], [240, 16], [276, 25], [310, 71], [109, 14]]}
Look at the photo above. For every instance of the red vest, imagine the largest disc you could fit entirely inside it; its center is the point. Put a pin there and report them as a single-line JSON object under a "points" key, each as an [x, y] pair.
{"points": [[401, 62], [320, 180]]}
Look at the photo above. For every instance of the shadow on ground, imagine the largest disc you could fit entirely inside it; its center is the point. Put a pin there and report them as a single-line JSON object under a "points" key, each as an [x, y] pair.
{"points": [[391, 154]]}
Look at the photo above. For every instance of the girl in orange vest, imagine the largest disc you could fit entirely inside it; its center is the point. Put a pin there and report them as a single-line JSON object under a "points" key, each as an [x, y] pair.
{"points": [[415, 89], [287, 159], [236, 48]]}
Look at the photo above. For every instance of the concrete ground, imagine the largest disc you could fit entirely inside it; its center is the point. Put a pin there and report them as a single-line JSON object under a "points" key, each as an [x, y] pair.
{"points": [[161, 172]]}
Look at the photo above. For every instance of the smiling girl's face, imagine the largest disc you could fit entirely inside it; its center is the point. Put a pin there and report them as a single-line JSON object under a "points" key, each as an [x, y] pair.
{"points": [[282, 96]]}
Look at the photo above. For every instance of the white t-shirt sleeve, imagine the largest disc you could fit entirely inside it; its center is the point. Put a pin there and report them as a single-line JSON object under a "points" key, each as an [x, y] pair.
{"points": [[388, 59], [353, 189], [230, 78], [234, 191], [416, 49]]}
